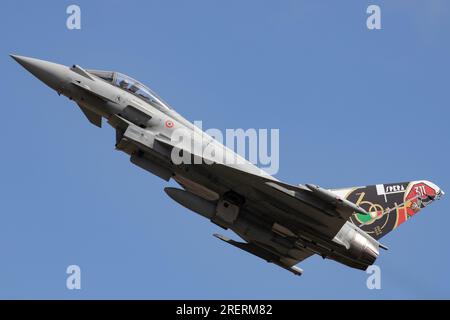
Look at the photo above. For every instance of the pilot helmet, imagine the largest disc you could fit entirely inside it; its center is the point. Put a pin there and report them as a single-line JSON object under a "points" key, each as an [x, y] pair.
{"points": [[124, 83]]}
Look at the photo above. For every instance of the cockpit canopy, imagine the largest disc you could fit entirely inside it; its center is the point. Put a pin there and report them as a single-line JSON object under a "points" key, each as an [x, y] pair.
{"points": [[130, 85]]}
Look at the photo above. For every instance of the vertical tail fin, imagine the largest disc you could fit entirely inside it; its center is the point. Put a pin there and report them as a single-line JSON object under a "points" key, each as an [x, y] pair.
{"points": [[389, 205]]}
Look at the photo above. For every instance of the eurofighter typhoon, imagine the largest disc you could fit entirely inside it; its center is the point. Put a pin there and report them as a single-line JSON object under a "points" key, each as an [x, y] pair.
{"points": [[281, 223]]}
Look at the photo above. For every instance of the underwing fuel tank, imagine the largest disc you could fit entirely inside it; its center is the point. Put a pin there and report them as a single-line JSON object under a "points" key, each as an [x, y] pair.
{"points": [[193, 202]]}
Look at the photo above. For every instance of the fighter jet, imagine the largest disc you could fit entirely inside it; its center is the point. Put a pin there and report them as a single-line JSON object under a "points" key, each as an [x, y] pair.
{"points": [[279, 222]]}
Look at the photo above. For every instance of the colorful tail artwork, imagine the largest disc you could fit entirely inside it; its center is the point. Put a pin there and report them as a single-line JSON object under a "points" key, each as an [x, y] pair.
{"points": [[389, 205]]}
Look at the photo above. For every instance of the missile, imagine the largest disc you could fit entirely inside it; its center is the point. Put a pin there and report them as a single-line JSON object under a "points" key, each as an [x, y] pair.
{"points": [[193, 202], [334, 199]]}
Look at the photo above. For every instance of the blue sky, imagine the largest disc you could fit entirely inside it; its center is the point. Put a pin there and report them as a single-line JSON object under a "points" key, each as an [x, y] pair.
{"points": [[354, 107]]}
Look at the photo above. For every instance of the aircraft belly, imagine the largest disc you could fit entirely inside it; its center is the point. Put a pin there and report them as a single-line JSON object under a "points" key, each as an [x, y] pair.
{"points": [[312, 228]]}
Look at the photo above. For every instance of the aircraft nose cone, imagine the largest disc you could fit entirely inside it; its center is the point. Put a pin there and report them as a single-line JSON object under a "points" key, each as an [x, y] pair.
{"points": [[18, 58], [52, 74], [35, 66]]}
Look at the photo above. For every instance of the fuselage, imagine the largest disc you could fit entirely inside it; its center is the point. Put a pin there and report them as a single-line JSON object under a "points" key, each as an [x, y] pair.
{"points": [[163, 120], [145, 127]]}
